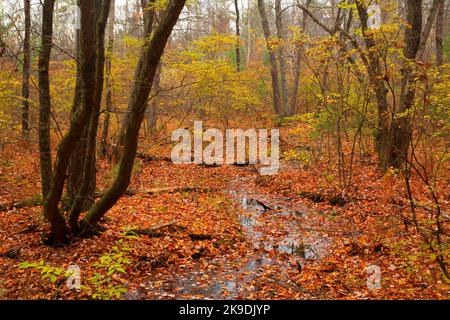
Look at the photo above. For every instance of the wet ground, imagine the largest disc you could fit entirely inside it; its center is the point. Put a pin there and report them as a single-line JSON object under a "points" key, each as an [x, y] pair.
{"points": [[277, 243]]}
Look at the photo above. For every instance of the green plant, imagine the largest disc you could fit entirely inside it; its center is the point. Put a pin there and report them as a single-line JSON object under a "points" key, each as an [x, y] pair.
{"points": [[109, 268], [47, 271]]}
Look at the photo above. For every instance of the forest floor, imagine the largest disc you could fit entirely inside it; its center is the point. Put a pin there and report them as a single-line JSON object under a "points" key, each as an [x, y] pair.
{"points": [[238, 235]]}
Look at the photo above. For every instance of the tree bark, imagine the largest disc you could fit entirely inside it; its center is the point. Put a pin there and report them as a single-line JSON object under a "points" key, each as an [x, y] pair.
{"points": [[86, 193], [282, 58], [272, 57], [427, 29], [26, 69], [377, 79], [88, 58], [44, 96], [298, 61], [401, 126], [440, 33], [238, 36], [152, 118], [144, 75], [109, 89]]}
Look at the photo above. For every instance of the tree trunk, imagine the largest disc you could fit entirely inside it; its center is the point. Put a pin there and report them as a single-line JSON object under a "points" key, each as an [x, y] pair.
{"points": [[44, 96], [26, 69], [401, 127], [109, 89], [440, 34], [88, 60], [272, 57], [377, 79], [298, 61], [282, 58], [152, 118], [427, 29], [144, 75], [76, 161], [86, 193], [238, 36]]}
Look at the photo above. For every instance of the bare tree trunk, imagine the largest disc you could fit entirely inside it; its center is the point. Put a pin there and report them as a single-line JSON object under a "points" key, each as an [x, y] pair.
{"points": [[26, 69], [377, 79], [145, 72], [86, 193], [401, 127], [282, 58], [109, 92], [249, 34], [427, 29], [298, 61], [88, 52], [272, 57], [44, 96], [238, 35], [440, 34], [152, 118], [149, 20]]}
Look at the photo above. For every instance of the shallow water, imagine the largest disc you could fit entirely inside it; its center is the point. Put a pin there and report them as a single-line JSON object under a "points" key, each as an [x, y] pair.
{"points": [[233, 278]]}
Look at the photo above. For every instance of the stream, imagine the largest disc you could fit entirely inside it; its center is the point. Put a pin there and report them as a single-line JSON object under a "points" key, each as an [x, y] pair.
{"points": [[272, 229]]}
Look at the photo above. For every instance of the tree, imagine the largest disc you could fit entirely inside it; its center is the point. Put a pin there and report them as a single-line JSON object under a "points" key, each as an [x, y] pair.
{"points": [[298, 60], [79, 120], [238, 36], [26, 69], [143, 80], [109, 89], [44, 97], [94, 15], [440, 33], [273, 59], [282, 58], [401, 126]]}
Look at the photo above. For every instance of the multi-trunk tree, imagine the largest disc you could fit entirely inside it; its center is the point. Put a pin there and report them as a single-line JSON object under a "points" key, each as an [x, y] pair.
{"points": [[94, 16]]}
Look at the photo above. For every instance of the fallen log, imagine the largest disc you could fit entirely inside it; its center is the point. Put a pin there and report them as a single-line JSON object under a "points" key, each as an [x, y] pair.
{"points": [[27, 203], [150, 158], [157, 191], [200, 237], [152, 231]]}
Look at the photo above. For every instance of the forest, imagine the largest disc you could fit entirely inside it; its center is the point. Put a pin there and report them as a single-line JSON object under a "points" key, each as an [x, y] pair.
{"points": [[225, 150]]}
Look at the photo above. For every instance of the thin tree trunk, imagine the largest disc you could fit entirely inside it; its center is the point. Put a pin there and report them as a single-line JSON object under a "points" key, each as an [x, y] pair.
{"points": [[44, 96], [152, 118], [26, 69], [272, 57], [109, 92], [145, 72], [249, 34], [427, 29], [440, 33], [282, 58], [238, 36], [298, 61]]}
